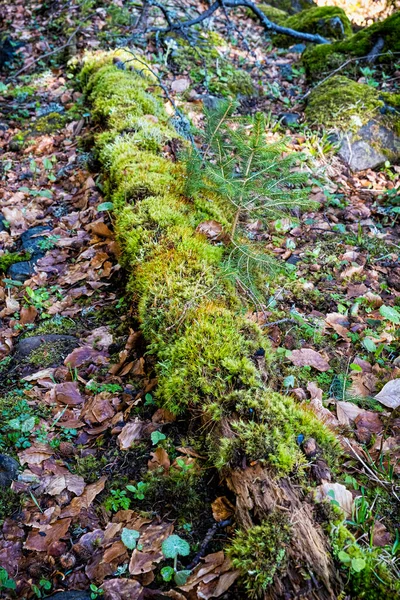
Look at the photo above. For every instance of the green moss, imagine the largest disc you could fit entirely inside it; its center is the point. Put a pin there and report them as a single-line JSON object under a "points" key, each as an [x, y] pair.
{"points": [[272, 434], [59, 325], [10, 502], [276, 15], [328, 21], [10, 258], [47, 354], [89, 467], [320, 60], [292, 6], [49, 123], [341, 102], [260, 552]]}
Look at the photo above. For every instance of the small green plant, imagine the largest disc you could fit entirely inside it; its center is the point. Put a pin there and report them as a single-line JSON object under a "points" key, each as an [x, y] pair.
{"points": [[95, 591], [97, 388], [49, 243], [157, 437], [173, 547], [40, 590], [139, 490], [129, 538], [117, 500], [6, 582]]}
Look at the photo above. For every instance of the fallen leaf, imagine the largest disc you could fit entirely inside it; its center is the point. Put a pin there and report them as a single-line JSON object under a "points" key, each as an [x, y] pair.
{"points": [[160, 459], [121, 589], [324, 414], [338, 493], [85, 500], [338, 323], [143, 562], [67, 393], [222, 508], [48, 534], [380, 535], [180, 85], [54, 485], [130, 433], [308, 357], [390, 394], [211, 229], [347, 412], [28, 315]]}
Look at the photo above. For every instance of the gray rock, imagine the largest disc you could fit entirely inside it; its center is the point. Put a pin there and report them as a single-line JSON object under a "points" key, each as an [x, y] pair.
{"points": [[8, 470], [210, 102], [289, 119], [21, 271], [71, 595], [368, 148], [30, 239]]}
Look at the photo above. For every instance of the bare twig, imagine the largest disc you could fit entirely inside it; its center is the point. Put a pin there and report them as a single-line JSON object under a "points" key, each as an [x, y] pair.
{"points": [[209, 536], [273, 323], [224, 4], [67, 43]]}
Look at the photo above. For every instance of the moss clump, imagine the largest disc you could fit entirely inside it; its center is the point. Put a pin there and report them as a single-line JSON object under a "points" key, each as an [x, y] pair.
{"points": [[48, 354], [320, 60], [10, 502], [10, 258], [328, 21], [60, 325], [49, 123], [260, 552], [341, 102], [89, 467], [292, 6], [276, 15], [272, 434]]}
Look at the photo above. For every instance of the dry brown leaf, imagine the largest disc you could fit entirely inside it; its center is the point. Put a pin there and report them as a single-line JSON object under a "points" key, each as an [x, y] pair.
{"points": [[338, 323], [121, 589], [211, 229], [363, 384], [54, 485], [390, 394], [324, 414], [36, 454], [47, 535], [337, 492], [130, 433], [222, 508], [85, 500], [180, 85], [28, 314], [160, 459], [380, 535], [143, 562], [347, 412], [67, 393], [308, 357]]}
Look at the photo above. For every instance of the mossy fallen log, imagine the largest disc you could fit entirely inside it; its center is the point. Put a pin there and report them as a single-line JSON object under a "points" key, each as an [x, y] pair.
{"points": [[192, 319]]}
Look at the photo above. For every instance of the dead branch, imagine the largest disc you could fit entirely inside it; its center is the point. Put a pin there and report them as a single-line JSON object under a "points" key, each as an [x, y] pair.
{"points": [[224, 4]]}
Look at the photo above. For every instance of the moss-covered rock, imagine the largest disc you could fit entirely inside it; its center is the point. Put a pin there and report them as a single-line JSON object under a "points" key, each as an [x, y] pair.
{"points": [[322, 59], [292, 6], [329, 21], [367, 121]]}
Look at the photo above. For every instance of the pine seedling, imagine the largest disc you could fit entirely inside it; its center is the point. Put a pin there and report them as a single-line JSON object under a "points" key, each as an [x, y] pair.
{"points": [[257, 179]]}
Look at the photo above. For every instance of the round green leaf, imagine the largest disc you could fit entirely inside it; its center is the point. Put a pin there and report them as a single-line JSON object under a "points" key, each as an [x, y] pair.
{"points": [[105, 206], [181, 577], [129, 538], [358, 564], [369, 344], [344, 557], [156, 437], [391, 314], [174, 546]]}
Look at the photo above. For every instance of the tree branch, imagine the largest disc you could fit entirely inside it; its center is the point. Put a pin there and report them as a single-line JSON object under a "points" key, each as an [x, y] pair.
{"points": [[265, 22]]}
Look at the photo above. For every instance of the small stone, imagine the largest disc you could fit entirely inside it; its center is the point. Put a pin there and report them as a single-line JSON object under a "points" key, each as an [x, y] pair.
{"points": [[293, 259], [307, 286], [289, 119], [42, 351], [370, 147], [31, 239], [8, 470], [21, 271]]}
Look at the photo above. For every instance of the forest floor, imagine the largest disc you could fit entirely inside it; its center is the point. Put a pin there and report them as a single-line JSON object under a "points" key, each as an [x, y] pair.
{"points": [[76, 383]]}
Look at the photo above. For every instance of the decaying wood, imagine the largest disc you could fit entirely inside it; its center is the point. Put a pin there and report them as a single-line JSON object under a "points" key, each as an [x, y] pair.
{"points": [[257, 496]]}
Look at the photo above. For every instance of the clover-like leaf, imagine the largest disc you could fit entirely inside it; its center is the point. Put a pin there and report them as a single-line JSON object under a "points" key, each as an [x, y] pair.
{"points": [[167, 573], [129, 538], [105, 206], [358, 564], [156, 437], [174, 546]]}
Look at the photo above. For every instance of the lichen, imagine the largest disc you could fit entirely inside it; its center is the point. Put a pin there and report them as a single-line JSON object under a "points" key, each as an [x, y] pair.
{"points": [[320, 60], [328, 21]]}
